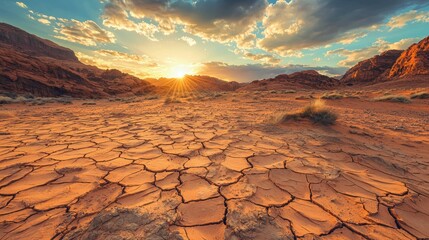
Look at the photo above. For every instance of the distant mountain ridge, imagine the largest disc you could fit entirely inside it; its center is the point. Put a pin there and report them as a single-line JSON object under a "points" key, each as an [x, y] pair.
{"points": [[194, 83], [309, 79], [29, 64]]}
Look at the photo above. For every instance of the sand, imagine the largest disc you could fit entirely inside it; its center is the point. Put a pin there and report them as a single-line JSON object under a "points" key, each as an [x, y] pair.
{"points": [[214, 168]]}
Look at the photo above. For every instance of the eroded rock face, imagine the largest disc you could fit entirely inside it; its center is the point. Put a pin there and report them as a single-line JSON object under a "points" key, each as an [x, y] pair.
{"points": [[300, 80], [29, 64], [373, 69], [391, 65], [33, 45], [413, 61]]}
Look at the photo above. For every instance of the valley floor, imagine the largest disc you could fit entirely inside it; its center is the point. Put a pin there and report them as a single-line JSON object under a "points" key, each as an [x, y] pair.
{"points": [[214, 168]]}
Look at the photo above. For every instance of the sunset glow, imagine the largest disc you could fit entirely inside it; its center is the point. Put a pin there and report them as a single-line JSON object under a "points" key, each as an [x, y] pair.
{"points": [[214, 119], [231, 40], [180, 71]]}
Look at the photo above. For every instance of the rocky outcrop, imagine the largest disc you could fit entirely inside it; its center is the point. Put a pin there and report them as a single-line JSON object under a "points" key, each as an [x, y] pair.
{"points": [[373, 69], [412, 62], [33, 45], [29, 64], [306, 79]]}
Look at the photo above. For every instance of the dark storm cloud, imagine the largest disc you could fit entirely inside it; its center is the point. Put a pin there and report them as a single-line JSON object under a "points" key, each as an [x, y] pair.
{"points": [[250, 72], [220, 20], [312, 23]]}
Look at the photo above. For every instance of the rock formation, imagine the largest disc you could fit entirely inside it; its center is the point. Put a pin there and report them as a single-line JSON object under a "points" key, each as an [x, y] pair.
{"points": [[29, 64], [373, 69], [414, 61], [306, 79]]}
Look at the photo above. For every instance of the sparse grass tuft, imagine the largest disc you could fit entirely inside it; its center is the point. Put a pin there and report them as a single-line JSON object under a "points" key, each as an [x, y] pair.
{"points": [[394, 98], [171, 100], [287, 91], [317, 112], [420, 95], [6, 100], [332, 96], [152, 97]]}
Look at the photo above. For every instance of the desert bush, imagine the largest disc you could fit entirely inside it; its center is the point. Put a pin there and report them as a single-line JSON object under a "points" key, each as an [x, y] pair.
{"points": [[65, 101], [287, 91], [421, 95], [152, 97], [317, 112], [6, 100], [393, 98], [171, 100], [332, 96]]}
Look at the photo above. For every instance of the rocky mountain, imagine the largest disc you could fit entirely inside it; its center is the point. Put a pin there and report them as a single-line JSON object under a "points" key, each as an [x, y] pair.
{"points": [[412, 62], [191, 83], [373, 69], [29, 64], [300, 80]]}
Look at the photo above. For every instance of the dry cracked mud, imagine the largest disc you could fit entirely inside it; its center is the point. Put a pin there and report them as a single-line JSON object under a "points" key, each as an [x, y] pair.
{"points": [[214, 169]]}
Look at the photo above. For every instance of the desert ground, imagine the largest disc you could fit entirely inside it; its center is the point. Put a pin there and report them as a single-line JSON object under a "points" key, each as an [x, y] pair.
{"points": [[218, 166]]}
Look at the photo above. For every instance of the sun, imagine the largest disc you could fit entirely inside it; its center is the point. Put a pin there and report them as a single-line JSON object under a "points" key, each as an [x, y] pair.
{"points": [[180, 71]]}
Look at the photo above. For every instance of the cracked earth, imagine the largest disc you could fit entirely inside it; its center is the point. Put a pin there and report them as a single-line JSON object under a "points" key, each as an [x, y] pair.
{"points": [[215, 169]]}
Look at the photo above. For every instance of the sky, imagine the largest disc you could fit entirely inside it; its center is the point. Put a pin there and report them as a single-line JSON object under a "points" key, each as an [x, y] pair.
{"points": [[234, 40]]}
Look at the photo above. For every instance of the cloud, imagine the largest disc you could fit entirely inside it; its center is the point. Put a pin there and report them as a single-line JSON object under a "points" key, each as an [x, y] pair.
{"points": [[138, 65], [299, 24], [42, 18], [44, 21], [190, 41], [21, 4], [250, 72], [87, 33], [264, 58], [267, 58], [354, 56], [115, 16], [411, 16], [216, 20], [115, 56]]}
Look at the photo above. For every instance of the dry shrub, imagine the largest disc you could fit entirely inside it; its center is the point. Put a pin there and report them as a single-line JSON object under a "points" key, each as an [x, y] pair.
{"points": [[332, 96], [393, 98], [170, 100], [317, 112], [421, 95]]}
